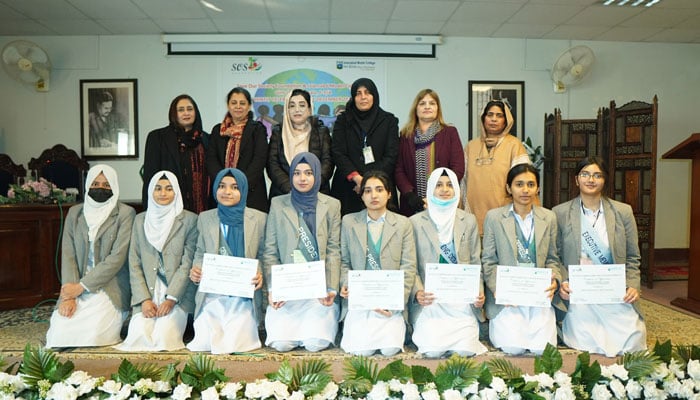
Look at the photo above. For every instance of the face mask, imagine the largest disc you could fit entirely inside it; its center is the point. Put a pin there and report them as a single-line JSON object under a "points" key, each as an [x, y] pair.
{"points": [[100, 195], [441, 202]]}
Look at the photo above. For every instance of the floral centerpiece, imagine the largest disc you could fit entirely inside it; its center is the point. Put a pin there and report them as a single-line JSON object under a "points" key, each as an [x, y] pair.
{"points": [[666, 372], [41, 191]]}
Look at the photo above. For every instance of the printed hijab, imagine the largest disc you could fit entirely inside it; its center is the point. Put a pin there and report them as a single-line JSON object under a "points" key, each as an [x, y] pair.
{"points": [[233, 216], [363, 120], [97, 213], [294, 141], [506, 110], [306, 202], [159, 219], [442, 212]]}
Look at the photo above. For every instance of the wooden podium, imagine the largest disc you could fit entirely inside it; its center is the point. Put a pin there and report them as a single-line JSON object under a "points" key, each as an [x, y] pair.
{"points": [[689, 149]]}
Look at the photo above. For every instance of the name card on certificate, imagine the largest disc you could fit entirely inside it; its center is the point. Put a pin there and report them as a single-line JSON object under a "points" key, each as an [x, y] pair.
{"points": [[371, 290], [597, 284], [298, 281], [227, 275], [453, 283], [522, 286]]}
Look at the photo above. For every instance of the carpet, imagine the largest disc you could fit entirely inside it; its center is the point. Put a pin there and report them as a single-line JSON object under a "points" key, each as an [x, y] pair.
{"points": [[19, 327], [671, 273]]}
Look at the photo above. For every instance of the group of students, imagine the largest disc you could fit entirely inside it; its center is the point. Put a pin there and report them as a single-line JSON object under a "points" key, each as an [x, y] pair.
{"points": [[478, 206], [153, 263]]}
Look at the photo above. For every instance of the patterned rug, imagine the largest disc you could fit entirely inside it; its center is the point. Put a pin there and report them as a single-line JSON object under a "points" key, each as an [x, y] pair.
{"points": [[19, 327], [671, 273]]}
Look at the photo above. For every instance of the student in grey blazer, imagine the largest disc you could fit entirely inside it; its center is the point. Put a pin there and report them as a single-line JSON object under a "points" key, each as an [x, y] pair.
{"points": [[445, 234], [303, 226], [163, 241], [375, 239], [521, 235], [226, 324], [95, 296], [594, 229]]}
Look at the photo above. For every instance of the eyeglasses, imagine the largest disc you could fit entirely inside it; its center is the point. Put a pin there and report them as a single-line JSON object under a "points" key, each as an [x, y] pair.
{"points": [[586, 175]]}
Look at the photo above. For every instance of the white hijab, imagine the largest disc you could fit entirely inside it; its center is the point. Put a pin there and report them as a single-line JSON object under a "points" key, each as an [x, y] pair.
{"points": [[442, 212], [96, 213], [160, 219]]}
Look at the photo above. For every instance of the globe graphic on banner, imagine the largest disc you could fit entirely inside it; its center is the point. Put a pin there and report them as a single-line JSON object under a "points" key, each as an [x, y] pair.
{"points": [[328, 95]]}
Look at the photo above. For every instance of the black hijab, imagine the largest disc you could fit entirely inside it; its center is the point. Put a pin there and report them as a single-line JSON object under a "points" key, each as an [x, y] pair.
{"points": [[362, 120]]}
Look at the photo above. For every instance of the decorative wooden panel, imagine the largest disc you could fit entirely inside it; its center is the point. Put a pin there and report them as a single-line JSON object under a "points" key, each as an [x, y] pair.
{"points": [[632, 161], [566, 143]]}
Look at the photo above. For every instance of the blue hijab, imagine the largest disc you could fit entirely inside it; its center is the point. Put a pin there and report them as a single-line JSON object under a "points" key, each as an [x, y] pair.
{"points": [[306, 202], [232, 216]]}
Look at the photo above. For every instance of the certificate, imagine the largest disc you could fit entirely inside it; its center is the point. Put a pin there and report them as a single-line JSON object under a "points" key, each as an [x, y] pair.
{"points": [[522, 286], [371, 290], [231, 276], [597, 284], [453, 283], [299, 281]]}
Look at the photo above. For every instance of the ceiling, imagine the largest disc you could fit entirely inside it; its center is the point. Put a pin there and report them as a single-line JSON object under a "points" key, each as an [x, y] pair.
{"points": [[673, 21]]}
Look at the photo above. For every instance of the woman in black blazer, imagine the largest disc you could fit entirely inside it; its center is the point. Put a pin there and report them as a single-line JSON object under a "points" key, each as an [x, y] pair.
{"points": [[240, 142]]}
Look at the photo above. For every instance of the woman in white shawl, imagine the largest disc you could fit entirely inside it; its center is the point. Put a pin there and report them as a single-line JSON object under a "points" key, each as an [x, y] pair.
{"points": [[163, 242], [445, 235], [95, 278]]}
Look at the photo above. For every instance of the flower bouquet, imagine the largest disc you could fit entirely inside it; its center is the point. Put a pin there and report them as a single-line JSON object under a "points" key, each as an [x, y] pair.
{"points": [[41, 191]]}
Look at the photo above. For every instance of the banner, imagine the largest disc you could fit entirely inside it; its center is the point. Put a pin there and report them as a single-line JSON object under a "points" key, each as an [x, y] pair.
{"points": [[328, 80]]}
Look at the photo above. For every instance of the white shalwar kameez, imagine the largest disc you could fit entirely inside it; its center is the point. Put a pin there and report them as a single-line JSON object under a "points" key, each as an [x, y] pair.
{"points": [[443, 327]]}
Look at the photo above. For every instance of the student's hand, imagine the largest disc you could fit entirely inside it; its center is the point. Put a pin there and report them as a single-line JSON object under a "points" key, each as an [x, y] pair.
{"points": [[275, 304], [385, 313], [149, 309], [344, 293], [165, 308], [328, 300], [67, 307], [479, 301], [257, 280], [565, 291], [551, 289], [196, 275], [71, 290], [424, 298], [632, 295]]}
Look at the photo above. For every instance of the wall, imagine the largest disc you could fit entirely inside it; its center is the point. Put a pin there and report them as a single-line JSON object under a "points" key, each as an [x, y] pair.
{"points": [[30, 121]]}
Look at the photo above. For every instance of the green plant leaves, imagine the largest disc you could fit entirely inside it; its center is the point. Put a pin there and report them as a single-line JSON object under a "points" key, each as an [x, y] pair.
{"points": [[549, 362], [42, 364], [200, 373]]}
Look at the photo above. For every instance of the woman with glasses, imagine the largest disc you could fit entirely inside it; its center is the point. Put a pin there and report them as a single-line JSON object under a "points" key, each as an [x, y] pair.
{"points": [[488, 158], [595, 230], [299, 132]]}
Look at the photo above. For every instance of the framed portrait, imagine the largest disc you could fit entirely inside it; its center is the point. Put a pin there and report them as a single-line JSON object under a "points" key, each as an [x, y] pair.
{"points": [[512, 93], [108, 119]]}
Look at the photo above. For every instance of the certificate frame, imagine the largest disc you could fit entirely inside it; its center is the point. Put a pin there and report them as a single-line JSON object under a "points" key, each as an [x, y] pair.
{"points": [[511, 92], [109, 119]]}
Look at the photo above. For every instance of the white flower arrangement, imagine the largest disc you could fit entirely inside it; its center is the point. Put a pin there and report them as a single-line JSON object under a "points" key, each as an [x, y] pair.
{"points": [[664, 373]]}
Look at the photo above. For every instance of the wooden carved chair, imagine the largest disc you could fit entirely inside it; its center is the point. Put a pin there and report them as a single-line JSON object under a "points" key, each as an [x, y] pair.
{"points": [[10, 173], [62, 166]]}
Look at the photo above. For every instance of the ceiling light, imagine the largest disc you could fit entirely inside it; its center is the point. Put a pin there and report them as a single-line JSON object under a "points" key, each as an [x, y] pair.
{"points": [[629, 3], [210, 6]]}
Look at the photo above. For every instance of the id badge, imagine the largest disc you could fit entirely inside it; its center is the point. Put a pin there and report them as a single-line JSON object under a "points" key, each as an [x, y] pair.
{"points": [[367, 153]]}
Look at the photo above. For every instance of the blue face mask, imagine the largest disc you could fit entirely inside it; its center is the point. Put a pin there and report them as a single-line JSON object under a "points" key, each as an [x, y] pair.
{"points": [[441, 202]]}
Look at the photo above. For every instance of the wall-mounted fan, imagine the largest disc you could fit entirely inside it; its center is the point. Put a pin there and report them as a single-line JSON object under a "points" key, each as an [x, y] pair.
{"points": [[571, 67], [28, 63]]}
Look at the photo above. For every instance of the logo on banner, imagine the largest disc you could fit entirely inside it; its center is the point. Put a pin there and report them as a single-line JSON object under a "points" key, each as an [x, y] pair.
{"points": [[252, 65], [365, 65]]}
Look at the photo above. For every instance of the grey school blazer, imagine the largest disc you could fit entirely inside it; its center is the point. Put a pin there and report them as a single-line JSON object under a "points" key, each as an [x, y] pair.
{"points": [[499, 248], [398, 249], [178, 252], [111, 272], [467, 244], [622, 236], [208, 242], [281, 236]]}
